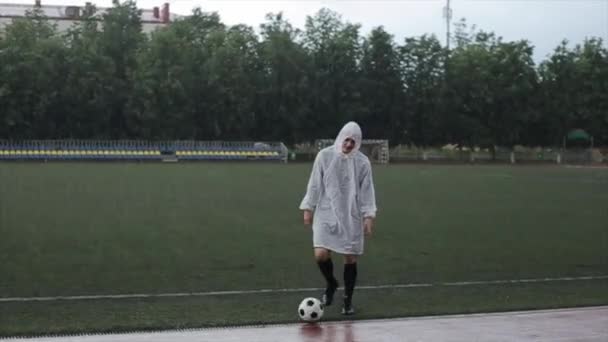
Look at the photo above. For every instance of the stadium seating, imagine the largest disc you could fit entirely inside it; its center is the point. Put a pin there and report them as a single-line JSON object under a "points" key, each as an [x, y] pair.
{"points": [[115, 150]]}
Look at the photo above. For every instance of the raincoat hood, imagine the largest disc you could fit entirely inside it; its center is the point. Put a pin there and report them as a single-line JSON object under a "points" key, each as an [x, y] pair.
{"points": [[350, 130]]}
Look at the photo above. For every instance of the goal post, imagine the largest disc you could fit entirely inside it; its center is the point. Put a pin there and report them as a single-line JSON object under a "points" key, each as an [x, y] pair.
{"points": [[377, 150]]}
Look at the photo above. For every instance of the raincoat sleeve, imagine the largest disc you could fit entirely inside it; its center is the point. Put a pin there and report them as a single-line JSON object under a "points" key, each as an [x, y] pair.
{"points": [[315, 185], [367, 198]]}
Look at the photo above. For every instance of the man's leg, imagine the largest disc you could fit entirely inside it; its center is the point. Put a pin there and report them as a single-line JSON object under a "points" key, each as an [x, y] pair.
{"points": [[350, 278], [323, 257]]}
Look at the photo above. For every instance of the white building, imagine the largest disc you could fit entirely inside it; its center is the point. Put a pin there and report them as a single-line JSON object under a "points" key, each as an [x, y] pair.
{"points": [[66, 16]]}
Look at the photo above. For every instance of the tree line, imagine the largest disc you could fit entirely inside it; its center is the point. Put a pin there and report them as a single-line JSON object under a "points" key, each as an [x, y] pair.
{"points": [[199, 78]]}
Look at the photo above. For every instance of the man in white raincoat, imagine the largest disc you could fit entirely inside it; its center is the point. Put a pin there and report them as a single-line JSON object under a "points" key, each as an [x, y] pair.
{"points": [[340, 196]]}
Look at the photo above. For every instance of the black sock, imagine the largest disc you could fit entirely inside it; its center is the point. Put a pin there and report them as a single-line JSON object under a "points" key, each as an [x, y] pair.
{"points": [[327, 269], [350, 278]]}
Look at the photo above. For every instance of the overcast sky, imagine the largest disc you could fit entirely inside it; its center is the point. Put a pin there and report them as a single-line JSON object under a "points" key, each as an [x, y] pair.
{"points": [[544, 22]]}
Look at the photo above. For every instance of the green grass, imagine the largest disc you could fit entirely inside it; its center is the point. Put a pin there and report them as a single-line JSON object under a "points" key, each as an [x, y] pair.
{"points": [[75, 229]]}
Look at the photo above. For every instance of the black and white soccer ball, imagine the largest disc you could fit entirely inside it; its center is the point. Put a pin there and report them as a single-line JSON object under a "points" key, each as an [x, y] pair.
{"points": [[310, 310]]}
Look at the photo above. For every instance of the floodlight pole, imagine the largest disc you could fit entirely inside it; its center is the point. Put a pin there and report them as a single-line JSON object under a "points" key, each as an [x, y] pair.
{"points": [[447, 13]]}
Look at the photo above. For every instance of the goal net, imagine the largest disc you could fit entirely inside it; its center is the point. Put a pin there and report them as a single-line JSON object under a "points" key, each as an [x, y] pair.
{"points": [[375, 149]]}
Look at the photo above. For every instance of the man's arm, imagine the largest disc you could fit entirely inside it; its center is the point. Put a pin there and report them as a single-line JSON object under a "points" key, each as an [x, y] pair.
{"points": [[367, 199], [313, 190]]}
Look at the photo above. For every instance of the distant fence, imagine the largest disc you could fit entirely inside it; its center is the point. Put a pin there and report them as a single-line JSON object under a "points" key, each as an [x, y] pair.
{"points": [[406, 154], [140, 150]]}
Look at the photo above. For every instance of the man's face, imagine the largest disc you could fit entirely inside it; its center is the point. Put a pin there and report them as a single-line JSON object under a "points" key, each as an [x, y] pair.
{"points": [[348, 145]]}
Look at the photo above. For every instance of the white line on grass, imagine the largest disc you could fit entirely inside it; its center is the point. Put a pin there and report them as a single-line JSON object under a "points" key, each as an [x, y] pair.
{"points": [[304, 289]]}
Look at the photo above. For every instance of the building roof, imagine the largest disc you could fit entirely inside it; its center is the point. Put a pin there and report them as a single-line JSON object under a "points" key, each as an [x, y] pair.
{"points": [[9, 10]]}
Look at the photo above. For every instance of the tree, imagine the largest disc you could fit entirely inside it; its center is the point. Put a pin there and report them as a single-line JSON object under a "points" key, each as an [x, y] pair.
{"points": [[120, 41], [283, 110], [174, 82], [31, 68], [490, 84], [382, 88], [574, 86], [422, 63], [335, 50]]}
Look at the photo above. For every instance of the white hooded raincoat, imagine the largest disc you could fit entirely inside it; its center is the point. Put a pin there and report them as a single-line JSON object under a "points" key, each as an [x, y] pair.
{"points": [[341, 193]]}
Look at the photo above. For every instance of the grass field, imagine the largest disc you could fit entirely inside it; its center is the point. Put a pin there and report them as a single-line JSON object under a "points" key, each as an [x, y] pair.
{"points": [[81, 229]]}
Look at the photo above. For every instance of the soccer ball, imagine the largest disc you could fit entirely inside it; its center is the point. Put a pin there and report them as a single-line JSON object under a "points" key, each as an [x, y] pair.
{"points": [[310, 310]]}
